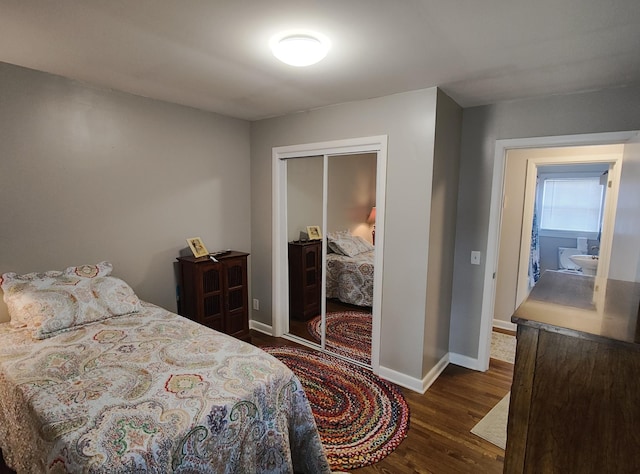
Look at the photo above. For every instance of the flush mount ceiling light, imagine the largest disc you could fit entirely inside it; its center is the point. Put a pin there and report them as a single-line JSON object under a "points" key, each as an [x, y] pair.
{"points": [[301, 48]]}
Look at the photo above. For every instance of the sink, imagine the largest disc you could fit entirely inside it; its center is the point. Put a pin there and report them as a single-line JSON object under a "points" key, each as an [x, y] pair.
{"points": [[588, 263]]}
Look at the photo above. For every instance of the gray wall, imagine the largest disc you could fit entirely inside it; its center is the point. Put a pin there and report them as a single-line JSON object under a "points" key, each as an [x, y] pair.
{"points": [[444, 198], [88, 174], [409, 121], [352, 193], [603, 111], [304, 194]]}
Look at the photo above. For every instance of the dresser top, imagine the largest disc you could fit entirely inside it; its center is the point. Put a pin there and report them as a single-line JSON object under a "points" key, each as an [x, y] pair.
{"points": [[570, 303]]}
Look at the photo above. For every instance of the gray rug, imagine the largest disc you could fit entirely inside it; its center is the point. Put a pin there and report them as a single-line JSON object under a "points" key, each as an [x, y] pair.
{"points": [[493, 427]]}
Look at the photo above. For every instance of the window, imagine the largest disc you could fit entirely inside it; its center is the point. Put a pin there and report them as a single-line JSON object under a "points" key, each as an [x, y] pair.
{"points": [[571, 204]]}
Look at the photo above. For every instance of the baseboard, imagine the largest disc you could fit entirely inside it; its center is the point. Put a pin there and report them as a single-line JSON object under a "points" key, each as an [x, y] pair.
{"points": [[466, 361], [401, 379], [412, 383], [506, 325], [474, 363], [435, 372], [261, 327]]}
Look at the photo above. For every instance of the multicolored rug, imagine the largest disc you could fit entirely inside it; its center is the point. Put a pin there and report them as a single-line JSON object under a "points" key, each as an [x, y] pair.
{"points": [[360, 417], [348, 334]]}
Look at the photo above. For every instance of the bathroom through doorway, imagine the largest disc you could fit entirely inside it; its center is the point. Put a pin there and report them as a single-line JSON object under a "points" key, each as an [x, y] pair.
{"points": [[523, 168]]}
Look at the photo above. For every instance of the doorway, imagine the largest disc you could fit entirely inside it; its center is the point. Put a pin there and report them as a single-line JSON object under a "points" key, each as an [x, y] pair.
{"points": [[326, 153], [495, 217], [526, 171]]}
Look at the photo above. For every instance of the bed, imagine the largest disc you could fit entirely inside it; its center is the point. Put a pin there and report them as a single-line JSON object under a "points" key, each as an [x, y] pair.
{"points": [[350, 269], [94, 380]]}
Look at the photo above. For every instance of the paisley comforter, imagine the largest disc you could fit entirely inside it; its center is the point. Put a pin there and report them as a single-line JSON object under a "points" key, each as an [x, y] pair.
{"points": [[151, 392], [350, 279]]}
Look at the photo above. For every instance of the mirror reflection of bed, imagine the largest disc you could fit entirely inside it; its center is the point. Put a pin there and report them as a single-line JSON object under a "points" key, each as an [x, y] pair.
{"points": [[349, 243]]}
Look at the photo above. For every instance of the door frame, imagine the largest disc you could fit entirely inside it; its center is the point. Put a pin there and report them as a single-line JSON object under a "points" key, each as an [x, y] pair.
{"points": [[374, 144], [495, 217], [608, 218]]}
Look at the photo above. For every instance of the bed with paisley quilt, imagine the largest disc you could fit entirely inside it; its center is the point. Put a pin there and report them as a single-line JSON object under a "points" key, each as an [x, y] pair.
{"points": [[94, 380]]}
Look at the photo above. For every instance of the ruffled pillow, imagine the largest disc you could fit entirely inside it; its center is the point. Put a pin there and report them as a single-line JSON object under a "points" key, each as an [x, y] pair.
{"points": [[97, 299], [33, 297], [53, 302], [343, 243], [101, 269]]}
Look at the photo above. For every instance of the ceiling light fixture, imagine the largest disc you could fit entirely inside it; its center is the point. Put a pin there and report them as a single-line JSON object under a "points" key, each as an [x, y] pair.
{"points": [[302, 48]]}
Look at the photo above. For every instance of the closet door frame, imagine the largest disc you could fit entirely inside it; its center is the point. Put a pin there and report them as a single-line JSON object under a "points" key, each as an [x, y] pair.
{"points": [[280, 155]]}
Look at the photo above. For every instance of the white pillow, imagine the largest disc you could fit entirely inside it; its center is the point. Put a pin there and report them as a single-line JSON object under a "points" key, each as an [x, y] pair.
{"points": [[98, 299], [31, 298], [343, 243], [54, 301]]}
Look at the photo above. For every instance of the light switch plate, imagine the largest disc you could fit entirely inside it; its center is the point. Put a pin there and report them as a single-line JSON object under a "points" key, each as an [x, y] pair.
{"points": [[475, 257]]}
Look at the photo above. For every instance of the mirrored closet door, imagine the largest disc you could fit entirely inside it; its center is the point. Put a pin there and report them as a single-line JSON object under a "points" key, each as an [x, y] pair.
{"points": [[331, 280], [305, 185]]}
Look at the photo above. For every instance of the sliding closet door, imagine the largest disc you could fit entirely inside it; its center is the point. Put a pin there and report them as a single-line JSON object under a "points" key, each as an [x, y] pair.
{"points": [[349, 262], [331, 287], [305, 184]]}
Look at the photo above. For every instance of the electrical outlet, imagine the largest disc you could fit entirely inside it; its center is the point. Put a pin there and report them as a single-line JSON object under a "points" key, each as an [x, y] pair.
{"points": [[475, 257], [256, 304]]}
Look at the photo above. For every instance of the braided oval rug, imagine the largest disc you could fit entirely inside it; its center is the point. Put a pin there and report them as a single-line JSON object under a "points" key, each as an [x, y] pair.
{"points": [[348, 333], [360, 417]]}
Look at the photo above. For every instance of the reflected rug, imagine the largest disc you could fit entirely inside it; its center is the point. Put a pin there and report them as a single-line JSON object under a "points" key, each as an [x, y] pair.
{"points": [[360, 417], [493, 427], [348, 334]]}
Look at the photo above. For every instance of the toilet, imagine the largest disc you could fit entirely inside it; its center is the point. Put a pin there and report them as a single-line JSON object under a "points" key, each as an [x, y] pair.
{"points": [[564, 262]]}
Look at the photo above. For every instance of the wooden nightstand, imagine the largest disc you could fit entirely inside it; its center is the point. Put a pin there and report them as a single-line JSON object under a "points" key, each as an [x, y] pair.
{"points": [[305, 279], [215, 294]]}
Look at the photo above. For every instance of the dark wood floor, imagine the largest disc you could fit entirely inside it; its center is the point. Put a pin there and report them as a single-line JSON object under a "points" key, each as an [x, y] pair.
{"points": [[439, 439]]}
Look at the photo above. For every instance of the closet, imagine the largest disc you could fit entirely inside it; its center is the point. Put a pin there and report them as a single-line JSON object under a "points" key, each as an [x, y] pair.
{"points": [[335, 193]]}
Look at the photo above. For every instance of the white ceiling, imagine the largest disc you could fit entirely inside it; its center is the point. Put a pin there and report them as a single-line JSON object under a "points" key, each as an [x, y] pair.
{"points": [[213, 54]]}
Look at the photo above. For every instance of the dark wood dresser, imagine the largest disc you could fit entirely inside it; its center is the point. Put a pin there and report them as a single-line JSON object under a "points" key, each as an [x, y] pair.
{"points": [[575, 402], [305, 279], [215, 294]]}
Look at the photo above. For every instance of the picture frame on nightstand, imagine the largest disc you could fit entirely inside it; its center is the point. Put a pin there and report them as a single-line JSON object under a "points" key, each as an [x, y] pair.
{"points": [[314, 232], [197, 247]]}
